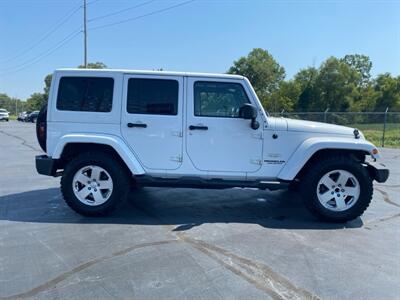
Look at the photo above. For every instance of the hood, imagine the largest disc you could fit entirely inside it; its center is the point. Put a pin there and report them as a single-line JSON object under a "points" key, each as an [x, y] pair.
{"points": [[317, 127]]}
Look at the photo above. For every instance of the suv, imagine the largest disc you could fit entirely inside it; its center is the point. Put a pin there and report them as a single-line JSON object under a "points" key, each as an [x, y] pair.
{"points": [[23, 116], [105, 131], [32, 117], [4, 115]]}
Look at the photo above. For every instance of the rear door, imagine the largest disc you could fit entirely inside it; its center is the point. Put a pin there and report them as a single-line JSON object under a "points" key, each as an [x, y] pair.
{"points": [[151, 121]]}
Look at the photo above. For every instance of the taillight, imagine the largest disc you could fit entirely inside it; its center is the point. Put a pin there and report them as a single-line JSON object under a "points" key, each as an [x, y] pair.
{"points": [[42, 131]]}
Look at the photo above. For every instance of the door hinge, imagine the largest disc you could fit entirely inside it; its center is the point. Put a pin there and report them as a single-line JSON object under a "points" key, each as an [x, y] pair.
{"points": [[177, 133], [256, 161], [258, 135], [176, 158]]}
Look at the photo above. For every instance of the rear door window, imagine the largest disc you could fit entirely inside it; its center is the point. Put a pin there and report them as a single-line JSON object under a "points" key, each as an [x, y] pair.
{"points": [[152, 96]]}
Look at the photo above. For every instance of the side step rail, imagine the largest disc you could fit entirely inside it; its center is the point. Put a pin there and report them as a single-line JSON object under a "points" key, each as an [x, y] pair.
{"points": [[213, 183]]}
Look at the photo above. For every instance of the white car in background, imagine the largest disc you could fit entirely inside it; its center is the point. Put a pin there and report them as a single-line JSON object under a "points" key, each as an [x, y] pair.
{"points": [[4, 115]]}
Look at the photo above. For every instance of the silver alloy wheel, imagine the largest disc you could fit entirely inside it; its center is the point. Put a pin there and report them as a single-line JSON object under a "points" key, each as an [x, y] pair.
{"points": [[338, 190], [92, 185]]}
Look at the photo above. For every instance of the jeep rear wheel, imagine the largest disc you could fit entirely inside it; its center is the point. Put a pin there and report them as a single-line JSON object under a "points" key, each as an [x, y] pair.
{"points": [[93, 184], [337, 189]]}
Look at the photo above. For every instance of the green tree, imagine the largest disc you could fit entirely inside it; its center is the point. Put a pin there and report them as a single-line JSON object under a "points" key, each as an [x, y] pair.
{"points": [[305, 79], [47, 83], [264, 73], [36, 101], [335, 86], [287, 96], [388, 92], [96, 65], [361, 64], [11, 104]]}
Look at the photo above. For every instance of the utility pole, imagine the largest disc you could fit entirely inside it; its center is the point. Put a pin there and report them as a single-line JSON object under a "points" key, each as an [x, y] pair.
{"points": [[84, 35]]}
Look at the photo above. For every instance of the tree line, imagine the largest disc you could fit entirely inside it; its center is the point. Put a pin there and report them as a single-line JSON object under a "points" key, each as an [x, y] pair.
{"points": [[338, 84]]}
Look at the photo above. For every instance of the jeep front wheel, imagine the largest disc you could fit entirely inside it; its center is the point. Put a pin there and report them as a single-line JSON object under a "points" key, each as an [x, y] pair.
{"points": [[94, 183], [337, 189]]}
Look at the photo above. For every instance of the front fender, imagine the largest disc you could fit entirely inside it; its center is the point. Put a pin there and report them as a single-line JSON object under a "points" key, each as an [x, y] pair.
{"points": [[310, 146], [115, 142]]}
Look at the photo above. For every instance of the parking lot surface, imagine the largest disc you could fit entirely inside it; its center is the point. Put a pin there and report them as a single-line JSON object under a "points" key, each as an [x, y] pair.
{"points": [[167, 243]]}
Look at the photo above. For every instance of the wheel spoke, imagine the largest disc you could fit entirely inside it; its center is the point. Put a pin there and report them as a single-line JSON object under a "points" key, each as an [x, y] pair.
{"points": [[95, 173], [328, 182], [98, 197], [340, 203], [83, 193], [325, 197], [105, 184], [352, 191], [82, 178], [343, 178]]}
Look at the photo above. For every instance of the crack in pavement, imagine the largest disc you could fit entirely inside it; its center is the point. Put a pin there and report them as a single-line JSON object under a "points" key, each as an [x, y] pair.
{"points": [[389, 185], [256, 273], [259, 275], [386, 197], [53, 282], [23, 141], [380, 220], [396, 156]]}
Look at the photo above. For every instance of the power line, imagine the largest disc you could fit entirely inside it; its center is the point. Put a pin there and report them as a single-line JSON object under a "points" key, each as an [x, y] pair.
{"points": [[75, 33], [142, 16], [63, 20], [120, 11], [91, 2], [63, 42], [44, 53]]}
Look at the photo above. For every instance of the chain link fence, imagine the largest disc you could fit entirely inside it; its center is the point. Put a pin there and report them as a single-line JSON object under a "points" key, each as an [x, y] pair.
{"points": [[381, 128]]}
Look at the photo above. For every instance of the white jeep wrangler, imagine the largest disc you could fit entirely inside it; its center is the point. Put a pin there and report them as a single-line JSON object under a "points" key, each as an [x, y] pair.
{"points": [[105, 131]]}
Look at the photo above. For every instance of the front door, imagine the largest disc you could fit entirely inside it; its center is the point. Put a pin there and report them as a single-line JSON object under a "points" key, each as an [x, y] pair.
{"points": [[218, 140], [151, 121]]}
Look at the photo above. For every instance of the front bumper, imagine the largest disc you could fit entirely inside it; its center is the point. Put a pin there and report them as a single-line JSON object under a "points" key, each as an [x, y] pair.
{"points": [[378, 171], [45, 165]]}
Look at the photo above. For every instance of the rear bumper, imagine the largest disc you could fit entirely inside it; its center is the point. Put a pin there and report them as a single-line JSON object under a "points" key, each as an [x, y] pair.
{"points": [[378, 171], [45, 165]]}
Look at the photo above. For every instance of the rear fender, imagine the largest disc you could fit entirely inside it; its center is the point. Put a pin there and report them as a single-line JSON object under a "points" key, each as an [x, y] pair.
{"points": [[113, 141]]}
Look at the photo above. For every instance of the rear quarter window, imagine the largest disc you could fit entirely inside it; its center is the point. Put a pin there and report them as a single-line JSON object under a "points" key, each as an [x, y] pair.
{"points": [[90, 94]]}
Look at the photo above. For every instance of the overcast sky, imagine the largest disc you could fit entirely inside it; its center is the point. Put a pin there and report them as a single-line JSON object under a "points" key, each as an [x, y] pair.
{"points": [[201, 36]]}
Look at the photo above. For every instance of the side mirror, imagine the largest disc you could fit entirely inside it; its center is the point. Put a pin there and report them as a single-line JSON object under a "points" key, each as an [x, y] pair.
{"points": [[249, 112]]}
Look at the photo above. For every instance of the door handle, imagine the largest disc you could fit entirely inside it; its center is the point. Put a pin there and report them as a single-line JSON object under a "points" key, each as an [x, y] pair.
{"points": [[198, 127], [139, 125]]}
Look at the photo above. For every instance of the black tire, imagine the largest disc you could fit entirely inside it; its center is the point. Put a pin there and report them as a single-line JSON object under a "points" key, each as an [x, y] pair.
{"points": [[319, 168], [41, 128], [120, 176], [294, 186]]}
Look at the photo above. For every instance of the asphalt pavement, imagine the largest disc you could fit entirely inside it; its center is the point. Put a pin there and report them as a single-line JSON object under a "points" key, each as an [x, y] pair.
{"points": [[168, 243]]}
